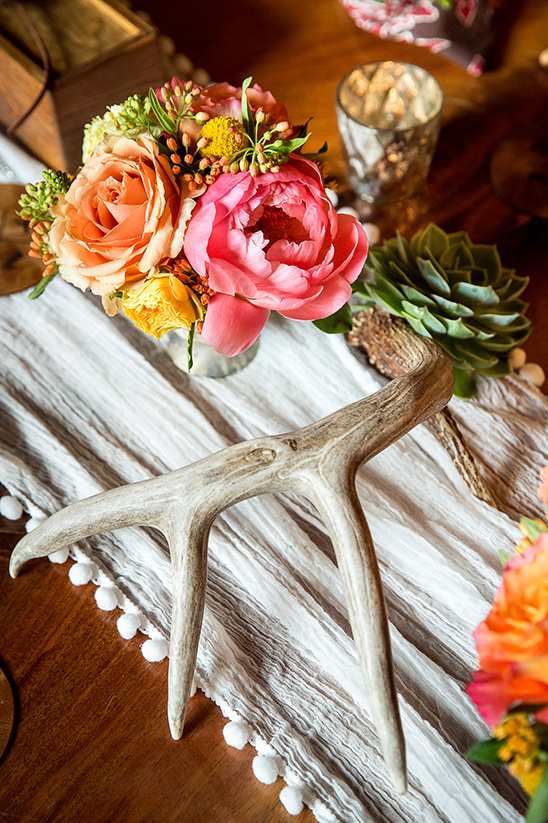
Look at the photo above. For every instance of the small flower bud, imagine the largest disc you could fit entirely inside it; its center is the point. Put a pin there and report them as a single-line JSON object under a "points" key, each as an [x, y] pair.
{"points": [[186, 139], [176, 170], [202, 117], [204, 163], [244, 164], [260, 115], [172, 144], [283, 126], [189, 158], [175, 159], [198, 179], [253, 170], [234, 167], [202, 142]]}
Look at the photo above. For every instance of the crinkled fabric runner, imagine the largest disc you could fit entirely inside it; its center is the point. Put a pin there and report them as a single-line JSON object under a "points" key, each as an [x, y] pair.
{"points": [[89, 403]]}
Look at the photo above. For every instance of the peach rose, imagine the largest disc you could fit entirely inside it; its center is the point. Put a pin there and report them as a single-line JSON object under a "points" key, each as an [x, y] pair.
{"points": [[512, 641], [160, 304], [122, 215]]}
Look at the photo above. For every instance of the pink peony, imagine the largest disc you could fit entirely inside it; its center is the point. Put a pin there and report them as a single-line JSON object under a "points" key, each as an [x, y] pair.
{"points": [[224, 99], [271, 243], [123, 213], [512, 641]]}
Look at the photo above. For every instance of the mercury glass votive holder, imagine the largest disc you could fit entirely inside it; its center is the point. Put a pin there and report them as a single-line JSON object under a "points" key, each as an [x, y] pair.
{"points": [[389, 117]]}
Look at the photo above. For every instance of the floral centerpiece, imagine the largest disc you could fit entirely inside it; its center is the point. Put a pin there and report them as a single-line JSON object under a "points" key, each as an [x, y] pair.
{"points": [[195, 208], [510, 688]]}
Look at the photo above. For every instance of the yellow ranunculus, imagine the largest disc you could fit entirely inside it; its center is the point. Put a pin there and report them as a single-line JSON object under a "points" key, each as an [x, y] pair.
{"points": [[162, 303]]}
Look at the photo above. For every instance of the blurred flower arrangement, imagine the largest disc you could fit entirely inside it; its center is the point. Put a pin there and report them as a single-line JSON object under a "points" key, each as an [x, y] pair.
{"points": [[510, 689], [195, 208]]}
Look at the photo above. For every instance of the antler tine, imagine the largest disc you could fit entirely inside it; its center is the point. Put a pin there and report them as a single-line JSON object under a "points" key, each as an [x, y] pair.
{"points": [[343, 515], [125, 506], [189, 561]]}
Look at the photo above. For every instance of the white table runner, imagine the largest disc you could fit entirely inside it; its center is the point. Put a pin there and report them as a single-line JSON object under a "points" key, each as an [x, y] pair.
{"points": [[89, 403]]}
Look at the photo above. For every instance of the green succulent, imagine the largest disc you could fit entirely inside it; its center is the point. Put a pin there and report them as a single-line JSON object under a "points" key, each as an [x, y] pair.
{"points": [[455, 292]]}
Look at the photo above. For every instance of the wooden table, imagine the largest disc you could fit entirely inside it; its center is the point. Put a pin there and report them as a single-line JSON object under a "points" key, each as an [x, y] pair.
{"points": [[93, 743]]}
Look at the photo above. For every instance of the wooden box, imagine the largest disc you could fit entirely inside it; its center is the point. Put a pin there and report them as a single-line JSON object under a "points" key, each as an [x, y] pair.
{"points": [[100, 53]]}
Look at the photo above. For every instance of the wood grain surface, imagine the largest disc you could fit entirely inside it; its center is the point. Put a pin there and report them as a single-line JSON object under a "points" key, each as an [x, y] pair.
{"points": [[93, 743]]}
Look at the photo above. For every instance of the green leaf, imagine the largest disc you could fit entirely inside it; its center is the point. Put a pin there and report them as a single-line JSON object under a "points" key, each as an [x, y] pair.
{"points": [[247, 120], [465, 387], [475, 354], [160, 113], [533, 528], [451, 308], [505, 556], [293, 145], [338, 323], [437, 283], [456, 328], [474, 296], [487, 751], [41, 286], [422, 313], [435, 239], [359, 287], [513, 286], [538, 808], [190, 343], [487, 257], [416, 296]]}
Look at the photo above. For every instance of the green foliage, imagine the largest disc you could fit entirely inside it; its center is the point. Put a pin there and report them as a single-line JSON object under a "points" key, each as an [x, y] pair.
{"points": [[487, 751], [533, 528], [338, 323], [41, 286], [538, 808], [37, 201], [455, 292]]}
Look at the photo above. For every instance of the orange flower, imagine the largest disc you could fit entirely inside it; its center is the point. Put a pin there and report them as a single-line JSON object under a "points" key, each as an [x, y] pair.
{"points": [[512, 642], [162, 303]]}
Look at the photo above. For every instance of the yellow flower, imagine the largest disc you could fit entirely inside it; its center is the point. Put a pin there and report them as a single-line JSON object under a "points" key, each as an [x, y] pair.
{"points": [[520, 750], [225, 137], [162, 303]]}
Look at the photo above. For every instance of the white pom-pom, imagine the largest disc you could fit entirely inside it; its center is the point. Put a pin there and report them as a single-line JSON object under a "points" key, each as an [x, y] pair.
{"points": [[60, 556], [333, 196], [533, 373], [81, 573], [373, 233], [127, 625], [10, 508], [291, 799], [348, 210], [225, 708], [33, 523], [106, 598], [265, 769], [236, 733], [517, 358], [264, 748], [154, 650]]}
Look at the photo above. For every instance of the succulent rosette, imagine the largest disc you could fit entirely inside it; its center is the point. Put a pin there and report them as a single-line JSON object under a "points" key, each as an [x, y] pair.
{"points": [[195, 209], [455, 292]]}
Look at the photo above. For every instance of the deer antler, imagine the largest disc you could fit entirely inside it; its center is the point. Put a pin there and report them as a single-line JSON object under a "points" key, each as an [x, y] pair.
{"points": [[320, 462]]}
